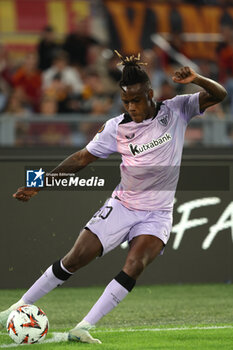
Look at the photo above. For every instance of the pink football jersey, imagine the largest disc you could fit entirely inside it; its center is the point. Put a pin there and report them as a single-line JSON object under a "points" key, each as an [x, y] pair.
{"points": [[151, 152]]}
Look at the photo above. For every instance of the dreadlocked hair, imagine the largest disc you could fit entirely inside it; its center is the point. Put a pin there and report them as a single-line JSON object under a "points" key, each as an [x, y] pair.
{"points": [[132, 72]]}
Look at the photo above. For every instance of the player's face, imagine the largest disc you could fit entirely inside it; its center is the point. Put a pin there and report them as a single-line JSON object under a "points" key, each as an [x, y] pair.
{"points": [[137, 100]]}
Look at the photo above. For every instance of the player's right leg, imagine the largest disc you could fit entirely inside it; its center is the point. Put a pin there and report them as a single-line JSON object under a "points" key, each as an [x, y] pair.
{"points": [[86, 248]]}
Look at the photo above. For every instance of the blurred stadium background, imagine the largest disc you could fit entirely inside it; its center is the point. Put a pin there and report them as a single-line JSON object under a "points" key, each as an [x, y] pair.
{"points": [[59, 83]]}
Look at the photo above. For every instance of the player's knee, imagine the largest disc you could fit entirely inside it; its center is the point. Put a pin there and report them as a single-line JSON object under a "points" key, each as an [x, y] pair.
{"points": [[73, 262], [134, 267]]}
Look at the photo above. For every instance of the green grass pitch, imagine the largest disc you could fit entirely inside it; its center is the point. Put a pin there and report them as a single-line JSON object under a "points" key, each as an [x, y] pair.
{"points": [[169, 317]]}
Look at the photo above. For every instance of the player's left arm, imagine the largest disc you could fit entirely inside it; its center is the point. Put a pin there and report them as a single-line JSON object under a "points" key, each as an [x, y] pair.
{"points": [[214, 92]]}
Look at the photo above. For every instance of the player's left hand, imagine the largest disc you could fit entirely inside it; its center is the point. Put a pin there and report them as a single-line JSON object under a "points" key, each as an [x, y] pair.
{"points": [[184, 75], [24, 194]]}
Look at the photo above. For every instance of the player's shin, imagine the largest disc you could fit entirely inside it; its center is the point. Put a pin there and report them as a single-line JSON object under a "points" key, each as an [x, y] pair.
{"points": [[115, 292], [53, 277]]}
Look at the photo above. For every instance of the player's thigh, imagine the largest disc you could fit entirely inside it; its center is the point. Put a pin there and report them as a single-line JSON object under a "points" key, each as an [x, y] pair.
{"points": [[112, 223], [143, 250], [86, 248]]}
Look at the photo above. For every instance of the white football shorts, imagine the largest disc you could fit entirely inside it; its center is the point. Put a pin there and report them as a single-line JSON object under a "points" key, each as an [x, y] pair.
{"points": [[114, 224]]}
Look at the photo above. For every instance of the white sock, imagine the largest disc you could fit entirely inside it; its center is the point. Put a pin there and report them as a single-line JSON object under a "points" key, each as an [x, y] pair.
{"points": [[112, 295], [47, 282], [84, 324]]}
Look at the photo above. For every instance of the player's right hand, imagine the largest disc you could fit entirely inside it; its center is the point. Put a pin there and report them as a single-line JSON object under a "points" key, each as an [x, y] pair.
{"points": [[24, 193], [184, 75]]}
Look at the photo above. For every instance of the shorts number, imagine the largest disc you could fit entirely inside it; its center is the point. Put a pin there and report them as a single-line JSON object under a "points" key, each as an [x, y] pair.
{"points": [[103, 213]]}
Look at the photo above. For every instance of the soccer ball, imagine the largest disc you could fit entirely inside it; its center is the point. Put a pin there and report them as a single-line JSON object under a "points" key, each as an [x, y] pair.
{"points": [[27, 324]]}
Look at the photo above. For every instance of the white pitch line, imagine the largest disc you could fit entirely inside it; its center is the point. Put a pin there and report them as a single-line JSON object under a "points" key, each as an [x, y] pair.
{"points": [[160, 329], [59, 336]]}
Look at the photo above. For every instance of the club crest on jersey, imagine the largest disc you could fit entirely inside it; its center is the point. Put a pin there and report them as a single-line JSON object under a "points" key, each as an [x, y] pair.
{"points": [[137, 149], [163, 120]]}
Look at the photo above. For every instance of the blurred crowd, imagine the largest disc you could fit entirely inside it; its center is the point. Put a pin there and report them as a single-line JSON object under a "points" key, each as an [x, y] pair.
{"points": [[201, 2], [77, 76], [80, 76]]}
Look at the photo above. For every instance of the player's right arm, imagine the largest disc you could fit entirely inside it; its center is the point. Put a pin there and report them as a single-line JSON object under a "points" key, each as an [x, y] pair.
{"points": [[213, 92], [75, 162], [72, 164], [102, 145]]}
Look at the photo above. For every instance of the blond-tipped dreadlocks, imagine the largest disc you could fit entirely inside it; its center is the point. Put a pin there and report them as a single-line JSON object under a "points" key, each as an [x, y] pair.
{"points": [[132, 72], [131, 60]]}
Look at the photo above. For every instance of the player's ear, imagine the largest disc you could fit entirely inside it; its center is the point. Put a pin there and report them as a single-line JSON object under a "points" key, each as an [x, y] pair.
{"points": [[150, 94]]}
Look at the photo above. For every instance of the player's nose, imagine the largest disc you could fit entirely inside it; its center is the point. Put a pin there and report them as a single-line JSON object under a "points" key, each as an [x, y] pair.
{"points": [[131, 107]]}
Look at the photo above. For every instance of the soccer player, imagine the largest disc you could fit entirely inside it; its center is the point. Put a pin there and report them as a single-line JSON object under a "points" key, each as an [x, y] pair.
{"points": [[149, 137]]}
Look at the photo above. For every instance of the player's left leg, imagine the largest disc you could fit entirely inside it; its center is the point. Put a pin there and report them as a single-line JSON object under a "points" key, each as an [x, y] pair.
{"points": [[143, 250]]}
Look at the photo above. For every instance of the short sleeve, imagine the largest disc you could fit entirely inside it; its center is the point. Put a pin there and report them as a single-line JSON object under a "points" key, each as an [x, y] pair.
{"points": [[104, 143], [186, 105]]}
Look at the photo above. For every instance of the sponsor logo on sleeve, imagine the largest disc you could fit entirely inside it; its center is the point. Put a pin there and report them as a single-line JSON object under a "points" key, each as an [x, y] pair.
{"points": [[101, 129], [96, 137]]}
